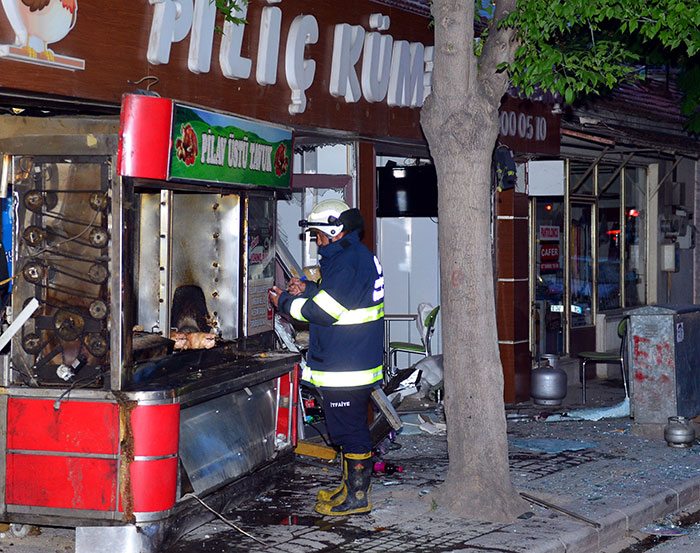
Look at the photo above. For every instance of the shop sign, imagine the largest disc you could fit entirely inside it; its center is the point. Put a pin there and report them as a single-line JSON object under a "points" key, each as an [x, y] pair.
{"points": [[549, 252], [260, 311], [35, 27], [164, 140], [549, 267], [529, 127], [214, 147], [396, 72], [319, 65], [549, 232]]}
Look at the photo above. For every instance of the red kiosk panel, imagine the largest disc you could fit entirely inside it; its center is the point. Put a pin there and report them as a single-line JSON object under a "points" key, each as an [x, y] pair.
{"points": [[144, 141], [153, 484], [75, 427], [61, 482], [156, 429]]}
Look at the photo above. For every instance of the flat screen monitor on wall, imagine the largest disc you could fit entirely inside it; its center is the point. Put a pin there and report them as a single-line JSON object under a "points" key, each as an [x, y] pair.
{"points": [[407, 191]]}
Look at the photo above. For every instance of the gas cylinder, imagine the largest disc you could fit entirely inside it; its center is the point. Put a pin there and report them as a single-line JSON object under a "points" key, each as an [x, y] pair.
{"points": [[548, 382], [679, 432]]}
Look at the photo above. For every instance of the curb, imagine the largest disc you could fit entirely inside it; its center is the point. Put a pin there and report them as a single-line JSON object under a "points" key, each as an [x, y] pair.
{"points": [[616, 522]]}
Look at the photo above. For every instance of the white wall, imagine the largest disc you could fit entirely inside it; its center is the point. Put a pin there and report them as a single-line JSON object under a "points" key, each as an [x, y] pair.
{"points": [[677, 287], [408, 250]]}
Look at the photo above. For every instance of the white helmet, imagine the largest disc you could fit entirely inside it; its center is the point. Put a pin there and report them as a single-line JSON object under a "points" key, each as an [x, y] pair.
{"points": [[325, 216]]}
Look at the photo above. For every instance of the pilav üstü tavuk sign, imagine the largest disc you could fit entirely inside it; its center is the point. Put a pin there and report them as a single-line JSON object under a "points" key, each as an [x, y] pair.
{"points": [[165, 140], [214, 147]]}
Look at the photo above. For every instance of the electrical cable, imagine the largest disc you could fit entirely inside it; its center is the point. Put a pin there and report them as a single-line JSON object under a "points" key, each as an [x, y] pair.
{"points": [[70, 238], [227, 521], [26, 379], [319, 433], [87, 380], [551, 506], [54, 215], [26, 372]]}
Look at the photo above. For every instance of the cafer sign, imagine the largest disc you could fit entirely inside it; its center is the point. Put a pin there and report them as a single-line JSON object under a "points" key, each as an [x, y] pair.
{"points": [[549, 252], [366, 62]]}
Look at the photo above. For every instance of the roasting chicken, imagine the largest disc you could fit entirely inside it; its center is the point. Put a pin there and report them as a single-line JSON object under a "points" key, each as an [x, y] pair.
{"points": [[193, 340]]}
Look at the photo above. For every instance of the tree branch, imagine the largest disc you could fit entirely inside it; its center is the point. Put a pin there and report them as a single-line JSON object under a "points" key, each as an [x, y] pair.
{"points": [[499, 48]]}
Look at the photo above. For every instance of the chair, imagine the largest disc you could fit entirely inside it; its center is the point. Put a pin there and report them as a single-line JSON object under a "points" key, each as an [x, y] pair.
{"points": [[607, 357], [426, 327]]}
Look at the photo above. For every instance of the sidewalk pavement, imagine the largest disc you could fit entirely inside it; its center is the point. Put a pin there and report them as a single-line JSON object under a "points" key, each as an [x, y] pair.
{"points": [[599, 471]]}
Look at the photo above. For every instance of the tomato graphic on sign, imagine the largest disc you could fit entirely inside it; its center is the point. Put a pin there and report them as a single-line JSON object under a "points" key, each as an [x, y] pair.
{"points": [[281, 160], [186, 146]]}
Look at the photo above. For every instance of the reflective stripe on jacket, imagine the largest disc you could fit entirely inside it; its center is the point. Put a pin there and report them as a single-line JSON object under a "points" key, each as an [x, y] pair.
{"points": [[341, 315], [340, 379], [345, 313]]}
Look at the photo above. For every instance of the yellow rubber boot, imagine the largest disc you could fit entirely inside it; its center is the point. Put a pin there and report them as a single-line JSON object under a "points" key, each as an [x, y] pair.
{"points": [[354, 497], [329, 496]]}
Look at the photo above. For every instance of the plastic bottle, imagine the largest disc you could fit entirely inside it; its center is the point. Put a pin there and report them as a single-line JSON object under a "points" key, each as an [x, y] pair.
{"points": [[384, 467]]}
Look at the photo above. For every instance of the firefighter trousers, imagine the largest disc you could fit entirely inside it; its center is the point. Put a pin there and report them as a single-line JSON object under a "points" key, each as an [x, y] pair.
{"points": [[345, 410]]}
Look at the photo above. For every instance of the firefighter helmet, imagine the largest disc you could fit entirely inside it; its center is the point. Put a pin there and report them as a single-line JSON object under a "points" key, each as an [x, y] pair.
{"points": [[325, 217]]}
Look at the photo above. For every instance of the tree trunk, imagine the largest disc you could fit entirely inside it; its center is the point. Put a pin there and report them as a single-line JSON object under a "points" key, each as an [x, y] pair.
{"points": [[460, 120]]}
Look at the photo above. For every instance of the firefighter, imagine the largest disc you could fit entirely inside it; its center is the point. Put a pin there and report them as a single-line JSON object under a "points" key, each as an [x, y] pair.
{"points": [[345, 312]]}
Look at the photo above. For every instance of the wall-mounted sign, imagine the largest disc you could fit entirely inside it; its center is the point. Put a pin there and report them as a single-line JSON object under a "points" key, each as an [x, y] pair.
{"points": [[396, 71], [165, 140], [529, 127], [36, 25], [545, 177], [357, 67], [549, 232], [214, 147]]}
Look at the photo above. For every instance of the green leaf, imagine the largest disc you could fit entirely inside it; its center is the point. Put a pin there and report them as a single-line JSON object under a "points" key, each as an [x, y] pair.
{"points": [[229, 8], [569, 96], [583, 47]]}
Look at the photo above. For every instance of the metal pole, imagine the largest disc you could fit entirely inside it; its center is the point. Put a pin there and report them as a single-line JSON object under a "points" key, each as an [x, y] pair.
{"points": [[553, 507]]}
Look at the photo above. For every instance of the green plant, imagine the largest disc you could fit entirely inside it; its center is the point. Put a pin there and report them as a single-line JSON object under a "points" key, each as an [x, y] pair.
{"points": [[584, 47], [229, 9]]}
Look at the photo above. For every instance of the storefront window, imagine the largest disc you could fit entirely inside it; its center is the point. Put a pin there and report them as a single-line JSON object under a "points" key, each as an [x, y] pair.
{"points": [[581, 178], [549, 267], [602, 257], [581, 265], [609, 237], [635, 232]]}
